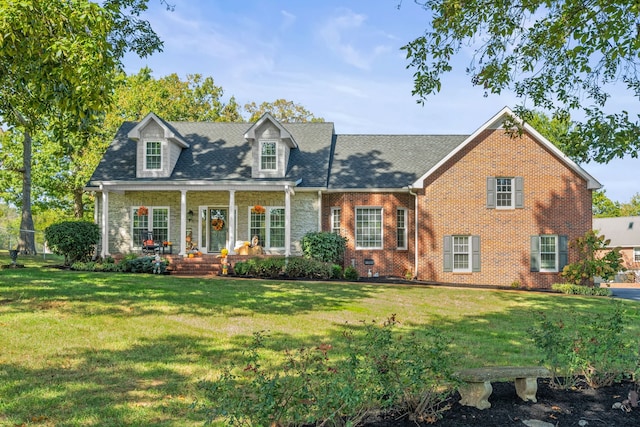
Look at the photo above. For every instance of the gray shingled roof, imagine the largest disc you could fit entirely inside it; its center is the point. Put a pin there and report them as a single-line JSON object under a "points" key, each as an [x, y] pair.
{"points": [[387, 161], [623, 231], [218, 152]]}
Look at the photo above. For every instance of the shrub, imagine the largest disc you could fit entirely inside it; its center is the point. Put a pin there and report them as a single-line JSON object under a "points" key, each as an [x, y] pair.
{"points": [[567, 288], [75, 240], [324, 246], [336, 271], [270, 268], [303, 268], [384, 369], [350, 273], [594, 260], [595, 346]]}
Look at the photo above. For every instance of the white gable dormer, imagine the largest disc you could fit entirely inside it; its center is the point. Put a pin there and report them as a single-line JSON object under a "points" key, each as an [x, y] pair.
{"points": [[271, 145], [159, 147]]}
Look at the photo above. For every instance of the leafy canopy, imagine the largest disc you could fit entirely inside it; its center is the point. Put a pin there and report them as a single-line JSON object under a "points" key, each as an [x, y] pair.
{"points": [[560, 55]]}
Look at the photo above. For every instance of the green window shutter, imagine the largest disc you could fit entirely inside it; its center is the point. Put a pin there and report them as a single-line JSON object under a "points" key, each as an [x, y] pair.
{"points": [[563, 251], [448, 253], [491, 192], [475, 253], [535, 253], [519, 193]]}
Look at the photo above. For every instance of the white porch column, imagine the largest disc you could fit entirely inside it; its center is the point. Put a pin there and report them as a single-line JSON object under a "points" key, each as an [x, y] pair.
{"points": [[104, 223], [287, 220], [232, 221], [183, 222]]}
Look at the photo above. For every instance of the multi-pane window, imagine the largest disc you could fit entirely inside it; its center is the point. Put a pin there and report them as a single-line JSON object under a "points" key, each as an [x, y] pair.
{"points": [[153, 155], [548, 253], [258, 226], [636, 254], [461, 253], [156, 221], [268, 157], [369, 228], [269, 226], [504, 193], [276, 228], [401, 228], [336, 217]]}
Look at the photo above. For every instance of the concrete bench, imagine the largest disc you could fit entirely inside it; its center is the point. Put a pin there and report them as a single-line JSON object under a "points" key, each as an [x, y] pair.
{"points": [[476, 387]]}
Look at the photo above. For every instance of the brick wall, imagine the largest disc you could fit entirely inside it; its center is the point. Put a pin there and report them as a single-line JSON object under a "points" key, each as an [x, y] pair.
{"points": [[556, 201], [388, 261]]}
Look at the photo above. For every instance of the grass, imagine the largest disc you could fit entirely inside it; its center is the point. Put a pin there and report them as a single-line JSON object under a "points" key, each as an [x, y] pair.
{"points": [[97, 349]]}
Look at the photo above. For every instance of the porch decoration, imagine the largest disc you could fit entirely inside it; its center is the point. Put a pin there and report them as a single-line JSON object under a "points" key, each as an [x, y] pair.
{"points": [[217, 221], [143, 211], [257, 209]]}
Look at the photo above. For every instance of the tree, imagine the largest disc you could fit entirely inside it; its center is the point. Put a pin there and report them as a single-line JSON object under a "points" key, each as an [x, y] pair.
{"points": [[632, 208], [282, 110], [562, 56], [603, 207], [57, 61], [595, 259]]}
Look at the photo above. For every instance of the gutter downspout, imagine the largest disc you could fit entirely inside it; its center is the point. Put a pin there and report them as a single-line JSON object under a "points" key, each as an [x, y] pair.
{"points": [[415, 232], [319, 211]]}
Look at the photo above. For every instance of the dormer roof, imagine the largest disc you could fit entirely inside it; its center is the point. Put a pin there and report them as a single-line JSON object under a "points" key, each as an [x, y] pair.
{"points": [[285, 135], [169, 132]]}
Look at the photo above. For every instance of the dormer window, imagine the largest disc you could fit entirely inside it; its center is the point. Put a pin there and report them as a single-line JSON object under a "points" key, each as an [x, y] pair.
{"points": [[153, 155], [268, 155]]}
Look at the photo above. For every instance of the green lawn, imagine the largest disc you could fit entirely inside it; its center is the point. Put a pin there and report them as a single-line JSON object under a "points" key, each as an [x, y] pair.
{"points": [[97, 349]]}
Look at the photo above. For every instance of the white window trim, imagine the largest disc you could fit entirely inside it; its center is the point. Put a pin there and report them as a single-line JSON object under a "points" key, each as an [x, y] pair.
{"points": [[149, 221], [332, 218], [404, 230], [144, 166], [469, 254], [636, 254], [267, 227], [275, 143], [355, 230], [555, 269], [513, 192]]}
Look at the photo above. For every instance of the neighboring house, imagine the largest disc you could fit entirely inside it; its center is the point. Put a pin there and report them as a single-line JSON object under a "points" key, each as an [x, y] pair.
{"points": [[624, 233], [488, 208]]}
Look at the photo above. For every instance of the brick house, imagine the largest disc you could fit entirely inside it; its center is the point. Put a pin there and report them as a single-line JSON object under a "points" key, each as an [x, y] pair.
{"points": [[486, 208], [623, 233]]}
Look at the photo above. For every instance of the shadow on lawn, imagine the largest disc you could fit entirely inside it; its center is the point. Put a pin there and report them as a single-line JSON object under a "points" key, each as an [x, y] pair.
{"points": [[107, 387], [137, 295]]}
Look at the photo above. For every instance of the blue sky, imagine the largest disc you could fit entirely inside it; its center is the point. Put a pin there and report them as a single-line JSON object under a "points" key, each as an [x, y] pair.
{"points": [[339, 59]]}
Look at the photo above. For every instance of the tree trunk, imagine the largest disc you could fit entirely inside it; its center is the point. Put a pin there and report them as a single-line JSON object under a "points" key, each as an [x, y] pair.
{"points": [[78, 204], [27, 241]]}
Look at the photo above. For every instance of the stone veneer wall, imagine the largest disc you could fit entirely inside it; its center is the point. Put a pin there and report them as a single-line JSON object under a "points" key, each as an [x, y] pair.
{"points": [[304, 213]]}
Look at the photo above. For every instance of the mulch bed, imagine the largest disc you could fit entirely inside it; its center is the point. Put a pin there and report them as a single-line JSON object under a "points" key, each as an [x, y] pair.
{"points": [[555, 406]]}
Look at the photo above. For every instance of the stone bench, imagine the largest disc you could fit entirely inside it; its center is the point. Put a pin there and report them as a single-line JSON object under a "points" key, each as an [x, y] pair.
{"points": [[476, 387]]}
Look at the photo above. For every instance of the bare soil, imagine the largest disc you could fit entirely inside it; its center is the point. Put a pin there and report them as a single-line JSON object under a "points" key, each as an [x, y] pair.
{"points": [[560, 408]]}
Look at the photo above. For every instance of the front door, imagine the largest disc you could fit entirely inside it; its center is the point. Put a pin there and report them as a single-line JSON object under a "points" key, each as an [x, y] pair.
{"points": [[217, 229]]}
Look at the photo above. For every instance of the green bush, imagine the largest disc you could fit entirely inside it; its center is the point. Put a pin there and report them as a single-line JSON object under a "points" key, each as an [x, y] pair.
{"points": [[596, 347], [336, 272], [594, 260], [75, 240], [350, 273], [384, 369], [324, 246], [568, 288], [303, 268], [271, 267]]}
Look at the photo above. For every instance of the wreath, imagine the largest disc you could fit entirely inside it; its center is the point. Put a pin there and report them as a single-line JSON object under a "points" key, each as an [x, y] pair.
{"points": [[217, 224], [142, 211]]}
